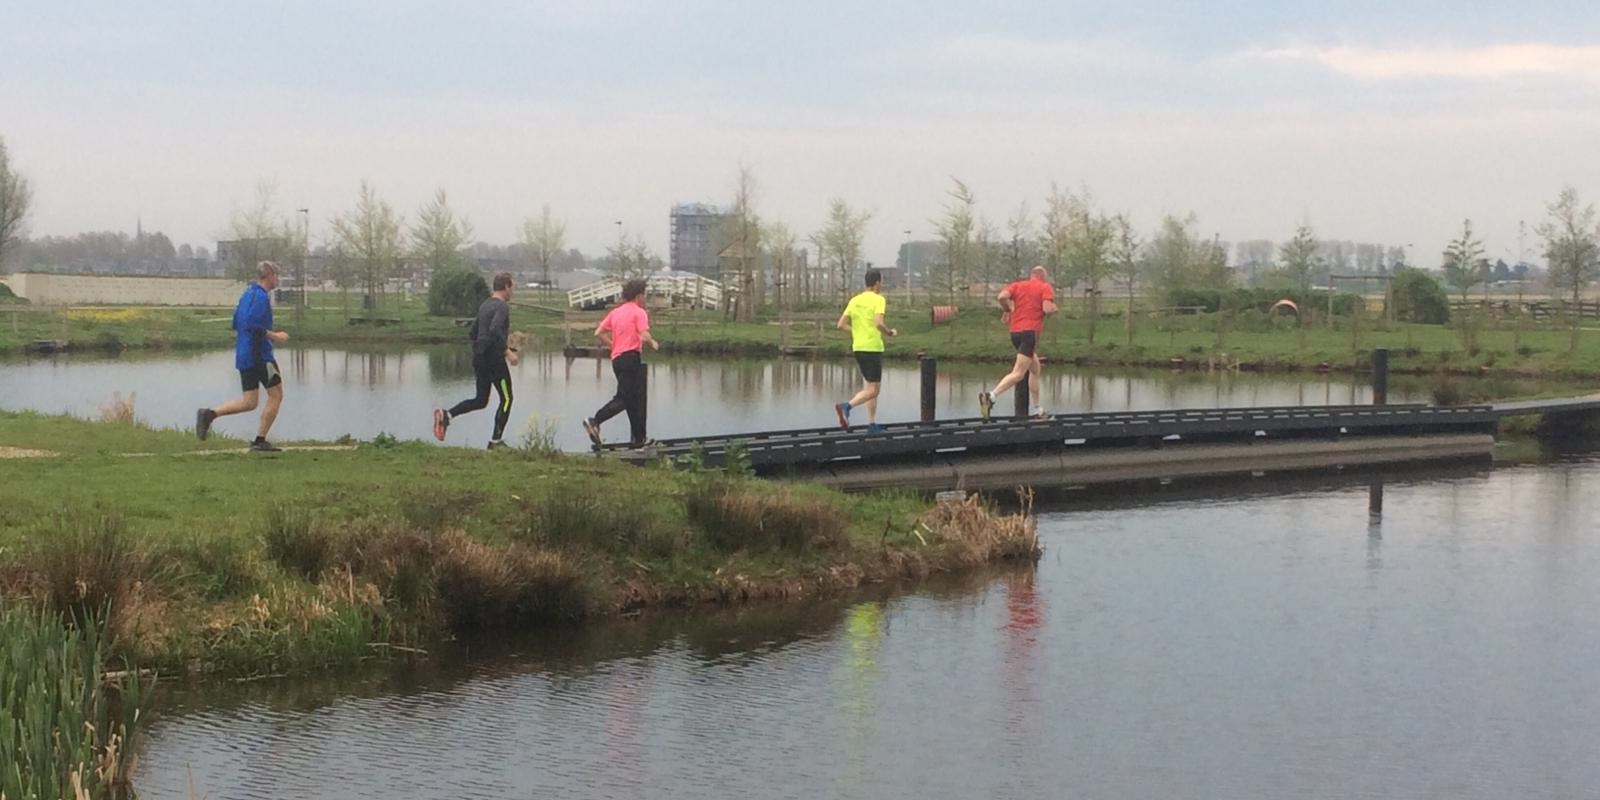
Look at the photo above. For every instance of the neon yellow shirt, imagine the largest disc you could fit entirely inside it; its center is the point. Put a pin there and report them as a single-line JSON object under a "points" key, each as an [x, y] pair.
{"points": [[863, 311]]}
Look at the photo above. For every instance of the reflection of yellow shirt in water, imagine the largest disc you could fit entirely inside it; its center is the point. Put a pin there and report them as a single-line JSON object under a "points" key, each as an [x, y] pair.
{"points": [[863, 311]]}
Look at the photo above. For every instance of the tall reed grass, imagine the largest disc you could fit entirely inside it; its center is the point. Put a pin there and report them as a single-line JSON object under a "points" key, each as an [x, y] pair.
{"points": [[65, 733]]}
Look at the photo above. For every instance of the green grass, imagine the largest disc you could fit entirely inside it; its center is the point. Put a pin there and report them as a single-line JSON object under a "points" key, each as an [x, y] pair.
{"points": [[244, 563]]}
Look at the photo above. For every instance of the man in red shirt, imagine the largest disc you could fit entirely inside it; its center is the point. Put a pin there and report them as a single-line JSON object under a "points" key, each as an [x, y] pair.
{"points": [[1025, 304]]}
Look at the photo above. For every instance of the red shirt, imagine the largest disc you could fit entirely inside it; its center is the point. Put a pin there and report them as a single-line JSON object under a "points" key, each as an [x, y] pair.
{"points": [[1027, 304]]}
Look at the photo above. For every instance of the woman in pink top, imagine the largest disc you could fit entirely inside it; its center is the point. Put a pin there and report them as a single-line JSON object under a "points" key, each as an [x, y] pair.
{"points": [[626, 330]]}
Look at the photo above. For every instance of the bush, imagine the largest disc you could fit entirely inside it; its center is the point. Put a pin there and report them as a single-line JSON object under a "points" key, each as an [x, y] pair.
{"points": [[90, 567], [1261, 299], [456, 293], [297, 543], [1419, 298], [734, 517]]}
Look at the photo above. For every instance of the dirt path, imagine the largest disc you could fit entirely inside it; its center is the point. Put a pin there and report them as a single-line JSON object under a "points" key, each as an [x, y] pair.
{"points": [[18, 452]]}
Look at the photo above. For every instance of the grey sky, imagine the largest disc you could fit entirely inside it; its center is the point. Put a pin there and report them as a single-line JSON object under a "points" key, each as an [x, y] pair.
{"points": [[1373, 123]]}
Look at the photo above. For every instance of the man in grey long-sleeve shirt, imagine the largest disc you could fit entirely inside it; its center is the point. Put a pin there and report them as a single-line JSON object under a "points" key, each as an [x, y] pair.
{"points": [[491, 353]]}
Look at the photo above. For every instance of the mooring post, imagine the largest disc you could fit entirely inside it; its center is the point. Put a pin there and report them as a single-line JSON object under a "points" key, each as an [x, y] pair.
{"points": [[1375, 498], [1022, 394], [1380, 376], [930, 375]]}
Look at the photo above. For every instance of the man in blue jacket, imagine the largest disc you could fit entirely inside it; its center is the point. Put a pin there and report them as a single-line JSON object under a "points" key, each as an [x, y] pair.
{"points": [[252, 356]]}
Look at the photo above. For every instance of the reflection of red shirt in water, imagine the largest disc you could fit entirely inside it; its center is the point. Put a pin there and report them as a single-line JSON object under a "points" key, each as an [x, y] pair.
{"points": [[1027, 304]]}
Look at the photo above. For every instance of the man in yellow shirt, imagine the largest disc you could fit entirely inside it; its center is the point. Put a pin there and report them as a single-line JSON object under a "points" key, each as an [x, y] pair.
{"points": [[863, 318]]}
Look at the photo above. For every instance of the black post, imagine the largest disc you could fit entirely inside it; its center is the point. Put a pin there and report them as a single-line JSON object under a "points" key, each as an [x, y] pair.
{"points": [[1380, 376], [1022, 394], [930, 374], [644, 397], [1375, 498]]}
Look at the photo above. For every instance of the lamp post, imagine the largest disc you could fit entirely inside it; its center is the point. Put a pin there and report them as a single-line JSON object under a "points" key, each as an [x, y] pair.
{"points": [[305, 252], [907, 267]]}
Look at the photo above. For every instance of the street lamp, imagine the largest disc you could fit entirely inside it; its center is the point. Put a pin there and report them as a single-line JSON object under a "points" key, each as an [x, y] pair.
{"points": [[907, 266]]}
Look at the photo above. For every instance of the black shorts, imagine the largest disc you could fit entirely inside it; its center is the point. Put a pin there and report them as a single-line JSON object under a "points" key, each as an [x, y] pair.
{"points": [[871, 365], [264, 374], [1025, 342]]}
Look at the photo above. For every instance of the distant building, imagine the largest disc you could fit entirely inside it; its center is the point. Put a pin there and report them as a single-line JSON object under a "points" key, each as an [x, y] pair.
{"points": [[693, 246]]}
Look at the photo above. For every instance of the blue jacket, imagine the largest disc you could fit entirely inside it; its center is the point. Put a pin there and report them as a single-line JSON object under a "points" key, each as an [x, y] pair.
{"points": [[251, 321]]}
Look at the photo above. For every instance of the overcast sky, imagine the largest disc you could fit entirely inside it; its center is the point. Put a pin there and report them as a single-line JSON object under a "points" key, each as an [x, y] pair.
{"points": [[1373, 121]]}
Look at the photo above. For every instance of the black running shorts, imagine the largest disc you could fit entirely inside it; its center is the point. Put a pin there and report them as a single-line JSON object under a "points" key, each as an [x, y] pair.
{"points": [[1025, 342], [263, 374], [871, 365]]}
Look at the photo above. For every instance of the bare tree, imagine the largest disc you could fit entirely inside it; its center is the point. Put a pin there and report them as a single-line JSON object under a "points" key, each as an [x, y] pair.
{"points": [[632, 257], [839, 243], [1056, 236], [438, 240], [1571, 249], [262, 232], [1089, 252], [1125, 264], [780, 244], [369, 236], [739, 238], [543, 238], [954, 230], [1020, 251], [16, 197]]}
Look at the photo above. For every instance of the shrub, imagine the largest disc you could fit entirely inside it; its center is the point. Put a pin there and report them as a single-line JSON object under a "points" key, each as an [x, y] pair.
{"points": [[483, 587], [456, 293], [297, 543], [90, 568], [734, 516], [1419, 298]]}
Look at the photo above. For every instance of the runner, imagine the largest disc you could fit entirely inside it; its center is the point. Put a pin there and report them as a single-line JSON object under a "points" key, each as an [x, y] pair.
{"points": [[252, 356], [626, 330], [1025, 304], [491, 355], [863, 318]]}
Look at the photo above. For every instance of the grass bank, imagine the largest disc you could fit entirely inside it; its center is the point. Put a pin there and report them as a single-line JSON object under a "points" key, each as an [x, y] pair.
{"points": [[235, 563]]}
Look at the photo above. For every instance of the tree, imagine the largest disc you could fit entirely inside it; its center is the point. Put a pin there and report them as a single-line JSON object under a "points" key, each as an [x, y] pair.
{"points": [[543, 239], [1020, 251], [1090, 236], [1123, 257], [954, 232], [16, 197], [739, 246], [439, 241], [369, 237], [631, 257], [1056, 236], [1571, 249], [456, 292], [1464, 266], [780, 244], [262, 233], [1177, 259], [839, 243], [1299, 257]]}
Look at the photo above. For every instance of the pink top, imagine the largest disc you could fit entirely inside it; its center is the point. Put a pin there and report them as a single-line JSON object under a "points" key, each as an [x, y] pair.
{"points": [[626, 322]]}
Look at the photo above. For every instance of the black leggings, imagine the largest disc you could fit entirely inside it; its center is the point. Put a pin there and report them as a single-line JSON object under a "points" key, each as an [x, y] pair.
{"points": [[497, 374], [629, 369]]}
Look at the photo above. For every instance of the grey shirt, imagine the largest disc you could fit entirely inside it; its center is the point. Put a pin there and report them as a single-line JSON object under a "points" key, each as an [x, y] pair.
{"points": [[491, 330]]}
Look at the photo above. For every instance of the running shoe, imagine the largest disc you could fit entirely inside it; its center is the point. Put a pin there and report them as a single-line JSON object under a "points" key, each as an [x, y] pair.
{"points": [[263, 446], [441, 423], [497, 444], [1040, 413], [843, 411], [202, 422], [645, 445], [874, 428], [985, 403], [594, 433]]}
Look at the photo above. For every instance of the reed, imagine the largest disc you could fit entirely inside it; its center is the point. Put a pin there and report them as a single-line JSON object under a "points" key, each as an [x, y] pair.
{"points": [[66, 731]]}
